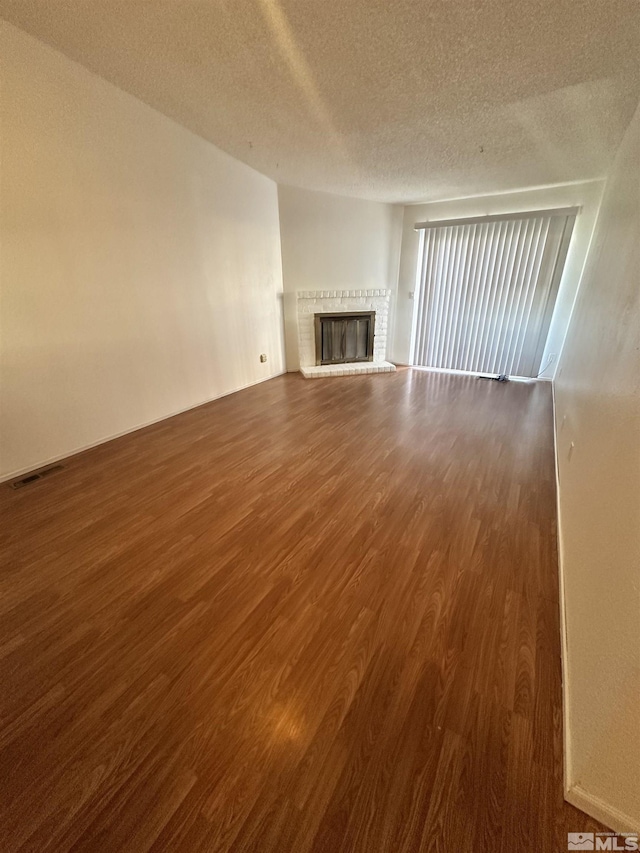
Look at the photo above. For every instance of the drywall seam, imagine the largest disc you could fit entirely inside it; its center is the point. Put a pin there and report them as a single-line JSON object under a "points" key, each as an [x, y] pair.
{"points": [[6, 477]]}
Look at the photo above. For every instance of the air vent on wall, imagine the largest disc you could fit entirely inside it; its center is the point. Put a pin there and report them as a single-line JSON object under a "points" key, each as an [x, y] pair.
{"points": [[36, 475]]}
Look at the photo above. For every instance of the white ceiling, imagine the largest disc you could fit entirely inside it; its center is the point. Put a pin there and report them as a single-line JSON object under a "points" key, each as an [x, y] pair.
{"points": [[382, 99]]}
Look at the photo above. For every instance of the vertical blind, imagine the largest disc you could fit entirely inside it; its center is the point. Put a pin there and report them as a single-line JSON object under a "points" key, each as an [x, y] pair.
{"points": [[486, 291]]}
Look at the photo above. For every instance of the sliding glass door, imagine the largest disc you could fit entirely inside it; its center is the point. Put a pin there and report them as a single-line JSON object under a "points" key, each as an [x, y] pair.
{"points": [[487, 289]]}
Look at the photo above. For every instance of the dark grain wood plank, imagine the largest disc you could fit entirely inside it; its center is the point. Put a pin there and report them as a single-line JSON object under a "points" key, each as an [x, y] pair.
{"points": [[311, 616]]}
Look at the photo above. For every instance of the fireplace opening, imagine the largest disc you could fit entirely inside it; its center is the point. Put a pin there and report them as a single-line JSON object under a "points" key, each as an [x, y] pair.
{"points": [[344, 337]]}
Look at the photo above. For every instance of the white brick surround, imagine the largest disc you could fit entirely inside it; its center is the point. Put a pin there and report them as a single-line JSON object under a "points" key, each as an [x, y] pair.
{"points": [[312, 302]]}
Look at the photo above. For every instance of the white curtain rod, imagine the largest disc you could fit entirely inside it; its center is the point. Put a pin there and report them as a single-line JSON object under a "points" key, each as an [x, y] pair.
{"points": [[498, 217]]}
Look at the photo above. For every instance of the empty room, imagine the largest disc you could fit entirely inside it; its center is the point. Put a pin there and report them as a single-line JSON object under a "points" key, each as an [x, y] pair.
{"points": [[319, 426]]}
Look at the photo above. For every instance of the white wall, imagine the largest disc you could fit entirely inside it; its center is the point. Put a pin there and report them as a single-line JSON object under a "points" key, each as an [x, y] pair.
{"points": [[587, 195], [598, 411], [330, 242], [141, 268]]}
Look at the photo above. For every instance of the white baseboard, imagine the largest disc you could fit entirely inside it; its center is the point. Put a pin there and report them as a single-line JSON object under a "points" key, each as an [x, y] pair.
{"points": [[598, 809], [42, 464]]}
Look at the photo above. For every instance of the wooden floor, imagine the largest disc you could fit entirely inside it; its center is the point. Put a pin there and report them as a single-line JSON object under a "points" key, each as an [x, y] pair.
{"points": [[311, 616]]}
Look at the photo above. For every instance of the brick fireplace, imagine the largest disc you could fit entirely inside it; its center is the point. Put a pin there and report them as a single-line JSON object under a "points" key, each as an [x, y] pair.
{"points": [[316, 303]]}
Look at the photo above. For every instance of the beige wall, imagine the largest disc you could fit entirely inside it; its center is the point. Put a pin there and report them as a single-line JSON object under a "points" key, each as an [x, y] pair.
{"points": [[587, 195], [598, 412], [330, 242], [141, 268]]}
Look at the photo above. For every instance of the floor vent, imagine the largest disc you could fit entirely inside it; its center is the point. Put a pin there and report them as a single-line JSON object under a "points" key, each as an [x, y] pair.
{"points": [[36, 475]]}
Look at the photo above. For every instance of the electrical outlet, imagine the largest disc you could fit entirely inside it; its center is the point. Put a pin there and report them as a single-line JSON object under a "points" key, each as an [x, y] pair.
{"points": [[263, 357]]}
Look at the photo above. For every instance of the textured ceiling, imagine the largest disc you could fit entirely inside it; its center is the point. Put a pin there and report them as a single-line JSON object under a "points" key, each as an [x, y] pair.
{"points": [[383, 99]]}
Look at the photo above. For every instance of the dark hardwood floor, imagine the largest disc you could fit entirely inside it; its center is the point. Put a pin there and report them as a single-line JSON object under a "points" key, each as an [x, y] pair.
{"points": [[310, 616]]}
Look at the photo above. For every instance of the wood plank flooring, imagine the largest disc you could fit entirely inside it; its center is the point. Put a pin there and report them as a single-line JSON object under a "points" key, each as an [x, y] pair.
{"points": [[310, 616]]}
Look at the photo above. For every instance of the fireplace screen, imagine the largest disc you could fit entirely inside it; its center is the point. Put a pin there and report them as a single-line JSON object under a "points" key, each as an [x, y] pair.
{"points": [[343, 338]]}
